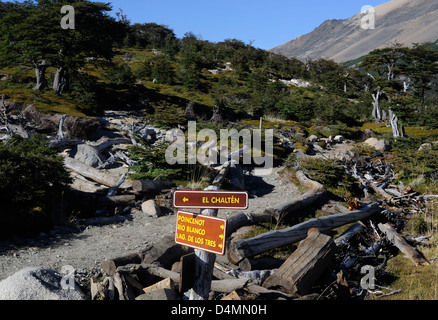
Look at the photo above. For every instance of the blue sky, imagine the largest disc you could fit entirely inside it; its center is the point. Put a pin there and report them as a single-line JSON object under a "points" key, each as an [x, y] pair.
{"points": [[267, 23]]}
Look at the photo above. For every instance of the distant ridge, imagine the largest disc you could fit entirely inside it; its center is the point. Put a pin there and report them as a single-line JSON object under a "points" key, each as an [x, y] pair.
{"points": [[404, 21]]}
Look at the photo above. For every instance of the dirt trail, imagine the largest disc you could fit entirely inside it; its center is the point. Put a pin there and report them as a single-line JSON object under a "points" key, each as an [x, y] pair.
{"points": [[87, 250]]}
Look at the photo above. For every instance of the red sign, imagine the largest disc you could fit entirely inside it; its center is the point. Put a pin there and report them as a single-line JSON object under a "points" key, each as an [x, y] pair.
{"points": [[201, 232], [236, 200]]}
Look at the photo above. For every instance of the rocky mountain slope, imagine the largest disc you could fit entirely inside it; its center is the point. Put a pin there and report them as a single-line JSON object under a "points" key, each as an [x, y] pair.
{"points": [[404, 21]]}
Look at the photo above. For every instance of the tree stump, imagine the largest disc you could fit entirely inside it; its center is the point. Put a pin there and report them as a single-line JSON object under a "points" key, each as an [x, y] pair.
{"points": [[304, 266]]}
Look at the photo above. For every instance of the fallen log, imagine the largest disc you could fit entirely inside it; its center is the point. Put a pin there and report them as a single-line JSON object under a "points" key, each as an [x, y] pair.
{"points": [[304, 266], [229, 285], [94, 174], [244, 219], [82, 184], [128, 200], [267, 294], [150, 269], [396, 239], [124, 290], [164, 254], [380, 191], [242, 249], [151, 186], [110, 266], [348, 234], [105, 143]]}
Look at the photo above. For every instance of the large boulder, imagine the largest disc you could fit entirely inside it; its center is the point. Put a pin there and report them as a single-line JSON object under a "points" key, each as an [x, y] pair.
{"points": [[383, 145], [36, 283], [88, 155], [379, 145], [371, 142]]}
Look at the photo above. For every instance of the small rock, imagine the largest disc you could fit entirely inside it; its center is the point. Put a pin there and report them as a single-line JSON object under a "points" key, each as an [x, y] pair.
{"points": [[151, 208], [313, 138], [338, 139], [425, 146]]}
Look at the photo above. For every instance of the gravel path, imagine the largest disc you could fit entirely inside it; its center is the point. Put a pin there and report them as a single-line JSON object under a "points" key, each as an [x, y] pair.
{"points": [[87, 250]]}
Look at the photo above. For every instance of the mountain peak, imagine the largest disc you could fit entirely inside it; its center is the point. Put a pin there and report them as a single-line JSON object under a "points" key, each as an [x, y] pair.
{"points": [[404, 21]]}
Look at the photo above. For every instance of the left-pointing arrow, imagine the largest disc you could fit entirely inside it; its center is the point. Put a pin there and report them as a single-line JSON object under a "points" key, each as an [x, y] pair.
{"points": [[185, 199]]}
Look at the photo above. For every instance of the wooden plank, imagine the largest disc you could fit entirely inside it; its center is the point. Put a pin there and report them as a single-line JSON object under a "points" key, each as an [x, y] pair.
{"points": [[304, 266], [242, 249], [233, 296], [167, 283]]}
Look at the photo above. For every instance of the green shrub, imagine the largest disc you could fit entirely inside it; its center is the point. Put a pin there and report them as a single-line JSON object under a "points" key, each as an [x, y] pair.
{"points": [[120, 75], [168, 116], [32, 179], [152, 163]]}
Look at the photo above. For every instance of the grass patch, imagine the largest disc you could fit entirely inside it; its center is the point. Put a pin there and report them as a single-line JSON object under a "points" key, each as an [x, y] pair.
{"points": [[416, 283], [45, 101]]}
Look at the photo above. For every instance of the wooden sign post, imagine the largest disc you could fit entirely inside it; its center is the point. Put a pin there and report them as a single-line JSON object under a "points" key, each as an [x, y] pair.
{"points": [[204, 232]]}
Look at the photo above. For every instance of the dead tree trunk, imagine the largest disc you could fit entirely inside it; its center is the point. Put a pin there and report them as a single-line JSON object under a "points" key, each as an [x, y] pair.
{"points": [[40, 73], [396, 239], [304, 266], [242, 249], [376, 105], [61, 80], [396, 132], [61, 126]]}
